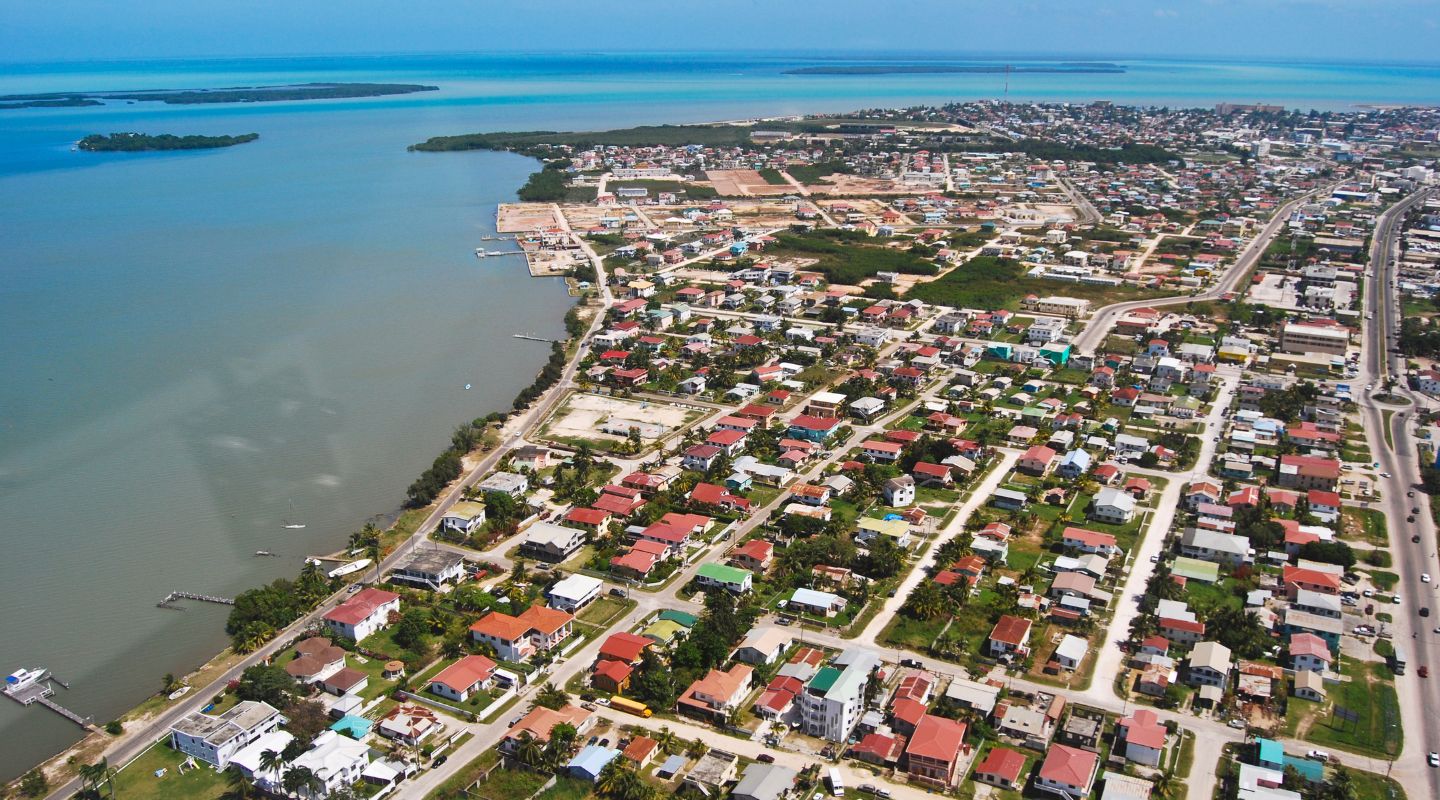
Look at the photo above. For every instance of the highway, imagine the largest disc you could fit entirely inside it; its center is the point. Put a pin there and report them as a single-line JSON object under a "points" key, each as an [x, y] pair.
{"points": [[1419, 697], [1099, 326]]}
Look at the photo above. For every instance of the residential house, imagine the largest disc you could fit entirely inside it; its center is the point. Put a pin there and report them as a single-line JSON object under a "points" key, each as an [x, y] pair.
{"points": [[363, 613]]}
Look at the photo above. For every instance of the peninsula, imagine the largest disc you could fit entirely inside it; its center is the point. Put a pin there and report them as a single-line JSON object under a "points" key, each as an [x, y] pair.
{"points": [[233, 94], [139, 142]]}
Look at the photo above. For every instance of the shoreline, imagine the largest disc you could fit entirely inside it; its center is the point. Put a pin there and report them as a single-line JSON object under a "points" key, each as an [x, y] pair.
{"points": [[61, 767]]}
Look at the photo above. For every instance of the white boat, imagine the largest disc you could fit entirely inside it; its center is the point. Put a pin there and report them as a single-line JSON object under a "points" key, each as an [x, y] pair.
{"points": [[349, 569], [24, 679], [480, 252], [294, 526]]}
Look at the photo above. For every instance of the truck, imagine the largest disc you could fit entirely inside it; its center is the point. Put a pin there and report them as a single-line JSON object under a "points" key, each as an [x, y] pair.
{"points": [[630, 706], [1397, 661], [837, 783]]}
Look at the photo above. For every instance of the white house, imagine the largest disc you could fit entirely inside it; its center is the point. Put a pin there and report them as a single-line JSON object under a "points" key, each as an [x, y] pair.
{"points": [[335, 760], [899, 492], [464, 517], [574, 592], [763, 645], [552, 542], [1113, 506], [464, 678], [215, 740], [363, 613]]}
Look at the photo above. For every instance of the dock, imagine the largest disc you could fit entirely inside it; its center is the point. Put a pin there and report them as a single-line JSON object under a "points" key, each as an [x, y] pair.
{"points": [[169, 601], [527, 337], [40, 691]]}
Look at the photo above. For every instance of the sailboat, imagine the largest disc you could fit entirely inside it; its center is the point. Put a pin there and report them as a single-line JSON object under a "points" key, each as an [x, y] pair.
{"points": [[294, 526]]}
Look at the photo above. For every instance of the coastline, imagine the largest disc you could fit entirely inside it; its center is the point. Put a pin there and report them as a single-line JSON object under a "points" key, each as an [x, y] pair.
{"points": [[403, 524]]}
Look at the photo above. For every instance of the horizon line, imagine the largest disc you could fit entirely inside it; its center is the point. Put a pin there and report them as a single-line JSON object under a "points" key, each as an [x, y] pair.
{"points": [[791, 54]]}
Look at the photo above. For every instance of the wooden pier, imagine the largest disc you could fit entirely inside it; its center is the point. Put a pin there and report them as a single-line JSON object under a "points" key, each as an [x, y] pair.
{"points": [[40, 692], [169, 601], [530, 338]]}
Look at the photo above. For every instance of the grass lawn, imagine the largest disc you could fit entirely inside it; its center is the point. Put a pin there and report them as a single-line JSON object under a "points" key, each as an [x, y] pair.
{"points": [[911, 634], [1371, 695], [605, 610], [138, 779], [568, 789], [1372, 786], [1369, 523]]}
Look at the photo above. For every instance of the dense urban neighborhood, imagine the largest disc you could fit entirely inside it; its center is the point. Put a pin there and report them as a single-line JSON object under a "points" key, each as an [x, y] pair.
{"points": [[986, 450]]}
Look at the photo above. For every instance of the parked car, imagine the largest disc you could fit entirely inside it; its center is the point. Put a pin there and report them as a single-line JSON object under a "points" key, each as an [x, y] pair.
{"points": [[1318, 755], [765, 758], [1424, 672]]}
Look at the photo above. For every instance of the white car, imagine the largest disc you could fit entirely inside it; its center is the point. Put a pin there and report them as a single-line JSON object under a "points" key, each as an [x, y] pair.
{"points": [[1434, 759], [1395, 600], [1424, 577], [1384, 474]]}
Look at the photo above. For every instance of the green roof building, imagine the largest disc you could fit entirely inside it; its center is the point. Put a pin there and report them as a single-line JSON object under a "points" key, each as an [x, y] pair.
{"points": [[1193, 569], [683, 617], [711, 576]]}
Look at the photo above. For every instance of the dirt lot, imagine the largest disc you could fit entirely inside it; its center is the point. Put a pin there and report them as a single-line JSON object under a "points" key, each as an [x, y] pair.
{"points": [[582, 415], [518, 217], [732, 182]]}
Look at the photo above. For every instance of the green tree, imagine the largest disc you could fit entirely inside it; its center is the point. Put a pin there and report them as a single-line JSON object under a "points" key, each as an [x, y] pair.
{"points": [[34, 784], [300, 779], [412, 632], [550, 696], [266, 683]]}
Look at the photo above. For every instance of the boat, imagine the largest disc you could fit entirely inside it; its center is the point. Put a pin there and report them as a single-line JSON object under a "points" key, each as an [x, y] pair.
{"points": [[467, 387], [480, 252], [22, 679], [294, 526], [265, 553], [351, 568]]}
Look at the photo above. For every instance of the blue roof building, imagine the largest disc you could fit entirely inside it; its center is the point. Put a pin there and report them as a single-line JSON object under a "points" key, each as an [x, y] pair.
{"points": [[591, 761]]}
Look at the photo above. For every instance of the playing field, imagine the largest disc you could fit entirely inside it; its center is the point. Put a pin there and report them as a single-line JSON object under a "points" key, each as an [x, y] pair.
{"points": [[732, 182]]}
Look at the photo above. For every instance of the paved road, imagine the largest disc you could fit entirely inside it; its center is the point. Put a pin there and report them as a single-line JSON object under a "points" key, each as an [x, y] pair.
{"points": [[1419, 697], [1100, 324]]}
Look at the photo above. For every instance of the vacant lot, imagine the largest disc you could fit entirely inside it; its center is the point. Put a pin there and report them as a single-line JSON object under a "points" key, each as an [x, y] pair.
{"points": [[733, 182], [581, 417], [988, 282]]}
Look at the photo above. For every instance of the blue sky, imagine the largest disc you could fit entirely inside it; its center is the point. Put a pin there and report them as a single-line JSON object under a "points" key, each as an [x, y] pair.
{"points": [[1322, 30]]}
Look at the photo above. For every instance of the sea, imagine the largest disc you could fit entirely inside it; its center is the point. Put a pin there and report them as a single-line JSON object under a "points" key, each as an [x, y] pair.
{"points": [[197, 349]]}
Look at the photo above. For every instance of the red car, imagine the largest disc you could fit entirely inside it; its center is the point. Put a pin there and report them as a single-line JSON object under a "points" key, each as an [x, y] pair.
{"points": [[1424, 672]]}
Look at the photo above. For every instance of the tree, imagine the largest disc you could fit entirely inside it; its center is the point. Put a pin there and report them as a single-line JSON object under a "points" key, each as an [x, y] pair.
{"points": [[307, 719], [925, 602], [413, 630], [550, 696], [34, 784], [169, 683], [530, 751], [94, 776], [267, 684], [239, 787], [271, 761], [300, 779]]}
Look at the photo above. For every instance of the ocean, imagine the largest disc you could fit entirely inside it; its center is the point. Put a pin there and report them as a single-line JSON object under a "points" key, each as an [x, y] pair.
{"points": [[200, 347]]}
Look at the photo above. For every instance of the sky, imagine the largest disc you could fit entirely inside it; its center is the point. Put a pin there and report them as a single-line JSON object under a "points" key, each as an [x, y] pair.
{"points": [[1319, 30]]}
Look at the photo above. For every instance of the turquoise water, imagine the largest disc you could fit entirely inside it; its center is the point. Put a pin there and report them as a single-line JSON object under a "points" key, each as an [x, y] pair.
{"points": [[193, 342]]}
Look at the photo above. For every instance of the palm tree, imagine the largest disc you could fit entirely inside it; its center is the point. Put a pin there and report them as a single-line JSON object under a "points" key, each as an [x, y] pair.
{"points": [[667, 739], [271, 761], [551, 696], [92, 775], [611, 779], [300, 779], [1164, 785], [169, 683], [238, 787], [529, 752]]}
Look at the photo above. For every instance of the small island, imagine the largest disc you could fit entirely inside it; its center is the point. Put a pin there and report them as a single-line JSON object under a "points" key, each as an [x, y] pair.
{"points": [[232, 94], [139, 142]]}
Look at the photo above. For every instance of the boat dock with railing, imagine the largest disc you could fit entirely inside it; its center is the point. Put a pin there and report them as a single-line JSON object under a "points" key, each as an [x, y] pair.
{"points": [[30, 686], [169, 601]]}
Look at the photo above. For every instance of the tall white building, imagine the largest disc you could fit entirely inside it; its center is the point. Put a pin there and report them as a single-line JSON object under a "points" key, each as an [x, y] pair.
{"points": [[834, 698]]}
